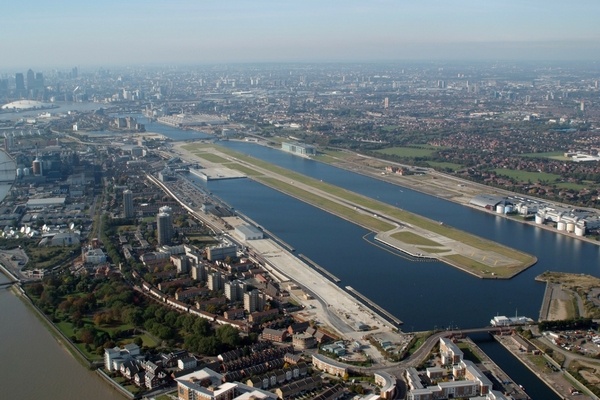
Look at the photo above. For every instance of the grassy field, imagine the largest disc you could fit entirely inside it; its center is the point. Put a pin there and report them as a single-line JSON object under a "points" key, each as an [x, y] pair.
{"points": [[412, 238], [441, 164], [243, 169], [167, 396], [45, 257], [540, 362], [554, 155], [212, 158], [468, 353], [525, 176], [480, 268], [407, 152], [573, 185]]}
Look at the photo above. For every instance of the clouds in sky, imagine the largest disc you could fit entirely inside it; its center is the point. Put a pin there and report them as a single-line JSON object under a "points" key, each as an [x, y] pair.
{"points": [[68, 32]]}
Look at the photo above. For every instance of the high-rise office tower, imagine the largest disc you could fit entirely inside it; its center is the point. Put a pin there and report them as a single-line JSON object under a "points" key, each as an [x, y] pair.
{"points": [[20, 81], [39, 81], [30, 80], [128, 203]]}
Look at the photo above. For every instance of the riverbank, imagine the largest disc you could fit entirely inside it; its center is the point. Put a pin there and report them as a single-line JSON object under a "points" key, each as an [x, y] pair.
{"points": [[39, 361]]}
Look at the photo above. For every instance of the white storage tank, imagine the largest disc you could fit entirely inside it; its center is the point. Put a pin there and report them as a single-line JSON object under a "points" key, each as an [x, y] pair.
{"points": [[579, 230], [26, 171], [508, 209], [500, 208], [539, 218], [561, 225], [571, 227], [19, 172]]}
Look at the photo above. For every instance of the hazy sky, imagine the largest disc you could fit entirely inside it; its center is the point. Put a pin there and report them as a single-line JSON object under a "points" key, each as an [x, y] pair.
{"points": [[45, 33]]}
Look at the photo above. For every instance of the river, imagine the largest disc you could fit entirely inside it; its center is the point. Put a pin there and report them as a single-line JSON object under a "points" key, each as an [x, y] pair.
{"points": [[34, 363], [424, 295]]}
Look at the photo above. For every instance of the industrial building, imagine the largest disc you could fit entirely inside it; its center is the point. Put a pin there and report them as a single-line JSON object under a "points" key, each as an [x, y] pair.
{"points": [[488, 201], [248, 232], [568, 220]]}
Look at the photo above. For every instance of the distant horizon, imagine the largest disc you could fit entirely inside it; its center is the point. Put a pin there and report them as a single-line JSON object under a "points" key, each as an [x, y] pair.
{"points": [[187, 32], [86, 68]]}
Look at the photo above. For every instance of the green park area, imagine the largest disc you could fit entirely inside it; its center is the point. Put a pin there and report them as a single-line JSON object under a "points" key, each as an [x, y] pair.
{"points": [[444, 165], [527, 176], [553, 155], [45, 257], [377, 216], [535, 177], [408, 152]]}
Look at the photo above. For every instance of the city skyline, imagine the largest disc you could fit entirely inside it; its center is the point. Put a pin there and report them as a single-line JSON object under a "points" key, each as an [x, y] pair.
{"points": [[187, 32]]}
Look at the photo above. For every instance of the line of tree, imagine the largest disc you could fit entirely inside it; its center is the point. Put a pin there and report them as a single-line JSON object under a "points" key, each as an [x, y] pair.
{"points": [[567, 324]]}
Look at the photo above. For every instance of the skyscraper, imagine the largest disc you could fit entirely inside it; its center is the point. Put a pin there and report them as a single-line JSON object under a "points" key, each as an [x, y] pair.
{"points": [[20, 81], [39, 81], [30, 80], [164, 225], [128, 203]]}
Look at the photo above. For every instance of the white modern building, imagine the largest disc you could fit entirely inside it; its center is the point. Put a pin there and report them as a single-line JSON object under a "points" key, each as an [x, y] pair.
{"points": [[248, 232], [207, 384], [299, 148]]}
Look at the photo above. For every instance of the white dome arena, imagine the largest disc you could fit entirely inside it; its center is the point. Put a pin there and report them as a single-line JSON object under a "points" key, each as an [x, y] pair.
{"points": [[23, 105]]}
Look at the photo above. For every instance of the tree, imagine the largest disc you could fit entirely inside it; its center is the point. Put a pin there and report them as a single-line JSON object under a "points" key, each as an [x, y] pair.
{"points": [[86, 335], [228, 335], [132, 315]]}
